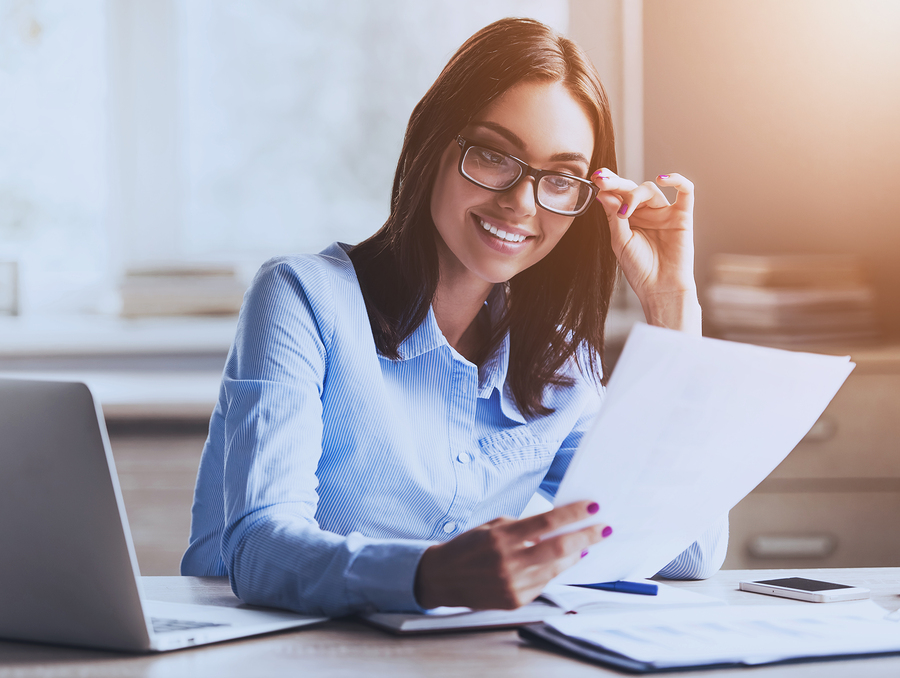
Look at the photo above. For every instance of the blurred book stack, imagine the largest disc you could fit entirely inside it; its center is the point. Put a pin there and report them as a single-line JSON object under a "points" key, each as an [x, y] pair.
{"points": [[181, 289], [790, 300]]}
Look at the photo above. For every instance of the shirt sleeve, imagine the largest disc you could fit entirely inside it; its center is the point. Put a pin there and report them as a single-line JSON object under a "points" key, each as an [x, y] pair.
{"points": [[274, 550], [703, 558]]}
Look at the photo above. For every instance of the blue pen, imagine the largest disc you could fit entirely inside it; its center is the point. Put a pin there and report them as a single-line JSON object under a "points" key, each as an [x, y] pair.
{"points": [[624, 587]]}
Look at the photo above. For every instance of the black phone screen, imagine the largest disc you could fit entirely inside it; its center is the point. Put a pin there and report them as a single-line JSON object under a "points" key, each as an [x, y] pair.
{"points": [[802, 584]]}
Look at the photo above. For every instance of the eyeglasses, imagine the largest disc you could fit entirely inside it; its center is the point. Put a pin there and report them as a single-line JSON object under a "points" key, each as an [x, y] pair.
{"points": [[556, 192]]}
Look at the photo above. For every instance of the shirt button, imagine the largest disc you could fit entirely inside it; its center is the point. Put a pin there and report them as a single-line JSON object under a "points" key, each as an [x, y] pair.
{"points": [[464, 458], [449, 527]]}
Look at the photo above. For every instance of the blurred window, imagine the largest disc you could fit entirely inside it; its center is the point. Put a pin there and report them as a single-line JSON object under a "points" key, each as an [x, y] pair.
{"points": [[139, 131]]}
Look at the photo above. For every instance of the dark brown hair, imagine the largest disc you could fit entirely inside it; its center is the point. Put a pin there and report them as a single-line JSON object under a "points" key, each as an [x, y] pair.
{"points": [[557, 308]]}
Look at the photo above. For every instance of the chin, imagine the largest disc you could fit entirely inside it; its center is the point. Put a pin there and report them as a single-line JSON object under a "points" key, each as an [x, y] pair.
{"points": [[497, 275]]}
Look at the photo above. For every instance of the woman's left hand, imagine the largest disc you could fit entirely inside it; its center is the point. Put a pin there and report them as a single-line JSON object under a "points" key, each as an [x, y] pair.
{"points": [[653, 241]]}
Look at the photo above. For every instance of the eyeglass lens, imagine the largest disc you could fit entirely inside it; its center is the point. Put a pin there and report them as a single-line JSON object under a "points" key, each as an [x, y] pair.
{"points": [[499, 172]]}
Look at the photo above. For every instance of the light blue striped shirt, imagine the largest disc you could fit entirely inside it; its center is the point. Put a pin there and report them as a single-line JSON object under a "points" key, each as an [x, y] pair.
{"points": [[329, 469]]}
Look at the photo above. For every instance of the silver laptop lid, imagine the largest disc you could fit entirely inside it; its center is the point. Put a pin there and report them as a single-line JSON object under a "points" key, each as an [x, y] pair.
{"points": [[68, 572]]}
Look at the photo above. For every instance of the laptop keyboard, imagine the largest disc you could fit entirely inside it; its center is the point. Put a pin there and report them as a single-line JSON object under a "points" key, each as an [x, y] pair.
{"points": [[166, 625]]}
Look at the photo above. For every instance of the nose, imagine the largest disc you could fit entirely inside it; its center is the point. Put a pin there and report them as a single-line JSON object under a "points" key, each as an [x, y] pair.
{"points": [[520, 198]]}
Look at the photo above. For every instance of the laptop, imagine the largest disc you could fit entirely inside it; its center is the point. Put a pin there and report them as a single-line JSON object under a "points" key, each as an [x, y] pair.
{"points": [[68, 571]]}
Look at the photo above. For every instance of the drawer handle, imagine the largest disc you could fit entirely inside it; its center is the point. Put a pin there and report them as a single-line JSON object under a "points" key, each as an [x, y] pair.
{"points": [[792, 546], [824, 429]]}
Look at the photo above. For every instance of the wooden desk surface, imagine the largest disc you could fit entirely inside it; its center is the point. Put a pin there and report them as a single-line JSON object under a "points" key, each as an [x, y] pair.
{"points": [[346, 648]]}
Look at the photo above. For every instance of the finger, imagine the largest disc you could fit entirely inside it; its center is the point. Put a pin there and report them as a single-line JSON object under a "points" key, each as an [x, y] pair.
{"points": [[647, 194], [620, 206], [684, 200], [534, 527], [565, 546], [607, 180], [556, 568], [541, 563], [499, 521], [532, 577]]}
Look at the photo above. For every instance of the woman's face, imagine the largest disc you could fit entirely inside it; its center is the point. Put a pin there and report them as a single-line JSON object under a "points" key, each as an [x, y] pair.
{"points": [[540, 123]]}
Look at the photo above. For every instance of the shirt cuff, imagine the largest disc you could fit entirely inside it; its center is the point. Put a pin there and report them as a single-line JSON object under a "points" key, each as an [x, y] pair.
{"points": [[381, 575]]}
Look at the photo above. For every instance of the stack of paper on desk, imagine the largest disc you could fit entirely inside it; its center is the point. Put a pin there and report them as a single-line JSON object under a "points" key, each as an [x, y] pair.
{"points": [[689, 426], [723, 636], [556, 600]]}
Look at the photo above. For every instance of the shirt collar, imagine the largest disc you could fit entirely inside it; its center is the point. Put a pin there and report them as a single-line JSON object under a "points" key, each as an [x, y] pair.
{"points": [[492, 374], [493, 371], [426, 337]]}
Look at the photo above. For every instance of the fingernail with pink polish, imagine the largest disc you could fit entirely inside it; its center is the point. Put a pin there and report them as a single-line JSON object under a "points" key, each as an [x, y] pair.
{"points": [[623, 209], [606, 531], [593, 507], [663, 176], [584, 553], [599, 174]]}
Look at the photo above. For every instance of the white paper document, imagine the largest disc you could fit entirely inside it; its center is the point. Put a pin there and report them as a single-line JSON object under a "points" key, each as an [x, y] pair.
{"points": [[747, 634], [689, 426], [593, 601], [554, 601]]}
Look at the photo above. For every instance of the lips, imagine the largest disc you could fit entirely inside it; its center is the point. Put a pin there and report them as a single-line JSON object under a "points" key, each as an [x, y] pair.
{"points": [[501, 234]]}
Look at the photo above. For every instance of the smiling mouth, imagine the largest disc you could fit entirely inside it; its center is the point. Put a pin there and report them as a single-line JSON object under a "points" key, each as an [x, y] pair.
{"points": [[501, 234]]}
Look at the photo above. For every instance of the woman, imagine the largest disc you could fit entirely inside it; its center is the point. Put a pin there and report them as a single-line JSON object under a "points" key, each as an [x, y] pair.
{"points": [[385, 405]]}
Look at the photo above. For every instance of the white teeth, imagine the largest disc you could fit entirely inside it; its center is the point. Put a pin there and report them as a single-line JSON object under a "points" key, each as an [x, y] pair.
{"points": [[503, 235]]}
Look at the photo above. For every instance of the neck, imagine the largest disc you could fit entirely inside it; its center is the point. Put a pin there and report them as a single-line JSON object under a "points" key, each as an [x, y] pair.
{"points": [[459, 323], [456, 307]]}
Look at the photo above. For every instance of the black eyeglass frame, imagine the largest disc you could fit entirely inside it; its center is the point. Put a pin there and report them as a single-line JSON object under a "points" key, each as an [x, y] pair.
{"points": [[526, 170]]}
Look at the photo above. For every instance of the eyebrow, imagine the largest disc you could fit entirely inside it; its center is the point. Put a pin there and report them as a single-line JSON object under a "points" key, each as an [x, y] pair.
{"points": [[514, 138]]}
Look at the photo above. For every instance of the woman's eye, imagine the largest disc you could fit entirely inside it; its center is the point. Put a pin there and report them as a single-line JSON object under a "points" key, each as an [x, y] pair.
{"points": [[561, 184], [489, 157]]}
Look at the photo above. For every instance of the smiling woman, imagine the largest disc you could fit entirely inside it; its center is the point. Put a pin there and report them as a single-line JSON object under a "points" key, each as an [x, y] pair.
{"points": [[467, 218], [387, 406], [516, 88], [544, 123]]}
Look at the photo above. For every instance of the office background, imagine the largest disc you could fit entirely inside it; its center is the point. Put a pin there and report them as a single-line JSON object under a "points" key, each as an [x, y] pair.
{"points": [[205, 136]]}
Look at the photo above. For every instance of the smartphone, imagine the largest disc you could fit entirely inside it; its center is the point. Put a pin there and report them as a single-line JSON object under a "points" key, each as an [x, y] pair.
{"points": [[810, 590]]}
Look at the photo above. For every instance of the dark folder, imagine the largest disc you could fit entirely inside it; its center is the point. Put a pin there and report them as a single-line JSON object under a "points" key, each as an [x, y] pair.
{"points": [[548, 638]]}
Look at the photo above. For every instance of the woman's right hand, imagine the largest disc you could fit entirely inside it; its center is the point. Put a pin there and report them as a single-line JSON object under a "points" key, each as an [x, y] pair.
{"points": [[504, 564]]}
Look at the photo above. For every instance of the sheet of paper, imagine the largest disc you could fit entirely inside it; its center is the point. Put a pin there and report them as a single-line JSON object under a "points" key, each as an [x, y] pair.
{"points": [[447, 611], [689, 426], [455, 618], [752, 634], [593, 601]]}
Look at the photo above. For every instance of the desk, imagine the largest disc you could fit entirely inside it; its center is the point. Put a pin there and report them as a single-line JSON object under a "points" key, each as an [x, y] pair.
{"points": [[341, 648]]}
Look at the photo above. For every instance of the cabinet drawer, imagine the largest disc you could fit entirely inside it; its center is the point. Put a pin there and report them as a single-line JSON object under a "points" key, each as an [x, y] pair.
{"points": [[857, 436], [815, 529]]}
